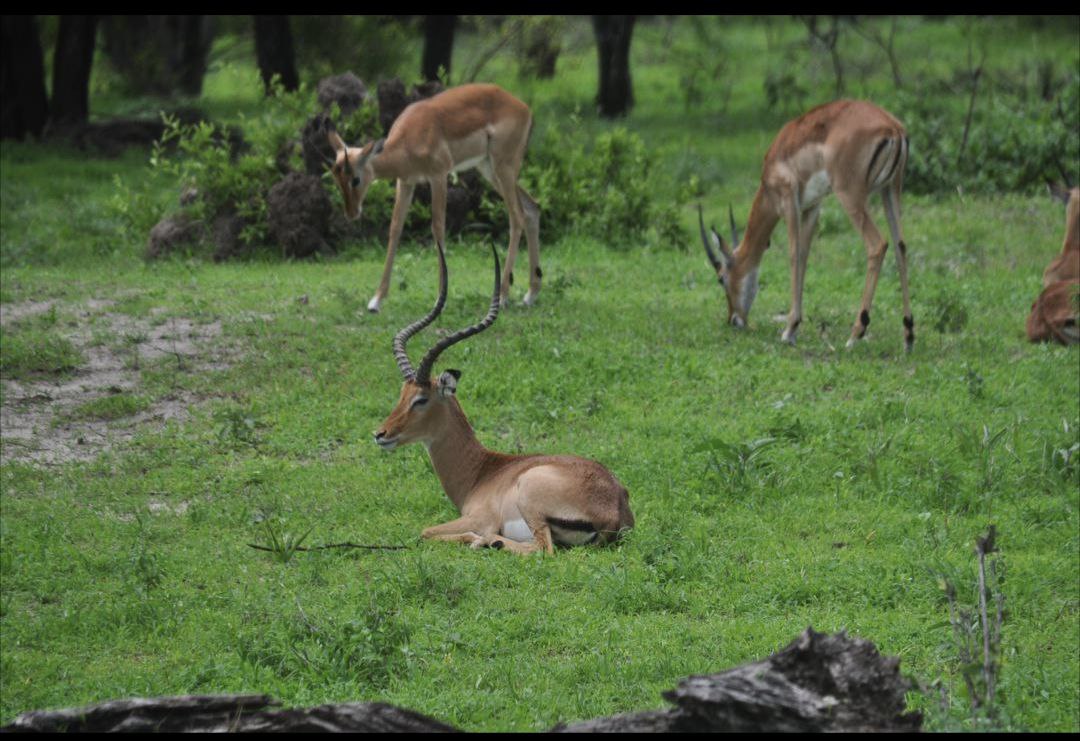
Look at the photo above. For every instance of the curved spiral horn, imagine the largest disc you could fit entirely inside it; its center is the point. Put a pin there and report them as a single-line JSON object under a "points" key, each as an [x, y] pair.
{"points": [[716, 263], [734, 231], [423, 374], [403, 336]]}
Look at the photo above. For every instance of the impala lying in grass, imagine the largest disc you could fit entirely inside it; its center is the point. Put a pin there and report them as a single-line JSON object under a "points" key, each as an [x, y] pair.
{"points": [[523, 503]]}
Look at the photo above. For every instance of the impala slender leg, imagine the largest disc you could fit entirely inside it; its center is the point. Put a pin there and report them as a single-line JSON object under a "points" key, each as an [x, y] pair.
{"points": [[891, 198], [506, 182], [807, 227], [876, 247], [438, 209], [794, 224], [532, 237], [456, 529], [402, 201]]}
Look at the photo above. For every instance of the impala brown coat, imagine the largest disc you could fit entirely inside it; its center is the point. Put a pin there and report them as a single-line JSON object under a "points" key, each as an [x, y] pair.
{"points": [[1066, 266], [472, 126], [523, 503]]}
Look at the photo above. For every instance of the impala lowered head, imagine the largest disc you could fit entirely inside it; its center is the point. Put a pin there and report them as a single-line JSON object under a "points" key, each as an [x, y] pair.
{"points": [[352, 171], [740, 287], [425, 405]]}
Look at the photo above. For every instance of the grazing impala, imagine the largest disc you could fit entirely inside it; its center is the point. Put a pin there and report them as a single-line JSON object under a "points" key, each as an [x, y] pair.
{"points": [[523, 503], [849, 147], [1066, 266], [1055, 314], [471, 126]]}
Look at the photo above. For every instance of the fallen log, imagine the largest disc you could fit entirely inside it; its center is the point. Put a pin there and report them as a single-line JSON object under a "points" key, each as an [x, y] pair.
{"points": [[819, 682]]}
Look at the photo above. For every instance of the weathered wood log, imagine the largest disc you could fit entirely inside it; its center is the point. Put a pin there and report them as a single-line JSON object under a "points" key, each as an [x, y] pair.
{"points": [[230, 713], [819, 682]]}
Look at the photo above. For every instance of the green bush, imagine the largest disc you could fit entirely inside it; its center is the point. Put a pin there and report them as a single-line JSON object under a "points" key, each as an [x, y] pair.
{"points": [[605, 192], [601, 189], [230, 178], [1016, 138]]}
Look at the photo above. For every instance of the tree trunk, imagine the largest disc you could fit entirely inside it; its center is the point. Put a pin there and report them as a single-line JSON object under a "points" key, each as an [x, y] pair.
{"points": [[24, 107], [274, 51], [72, 61], [159, 54], [613, 33], [192, 36], [438, 45]]}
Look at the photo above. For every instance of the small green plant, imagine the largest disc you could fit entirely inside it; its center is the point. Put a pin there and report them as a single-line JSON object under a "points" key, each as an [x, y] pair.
{"points": [[236, 426], [735, 462], [283, 546], [976, 637]]}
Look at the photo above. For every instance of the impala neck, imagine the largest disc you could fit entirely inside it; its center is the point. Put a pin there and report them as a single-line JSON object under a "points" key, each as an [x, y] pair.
{"points": [[389, 164], [457, 456], [759, 227]]}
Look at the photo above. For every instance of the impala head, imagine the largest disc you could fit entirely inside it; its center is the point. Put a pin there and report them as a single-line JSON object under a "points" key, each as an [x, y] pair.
{"points": [[425, 404], [352, 171], [740, 287]]}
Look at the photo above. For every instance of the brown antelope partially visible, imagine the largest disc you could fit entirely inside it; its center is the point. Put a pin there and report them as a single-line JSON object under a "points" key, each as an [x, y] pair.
{"points": [[1055, 313], [849, 147], [471, 126], [523, 503], [1066, 266]]}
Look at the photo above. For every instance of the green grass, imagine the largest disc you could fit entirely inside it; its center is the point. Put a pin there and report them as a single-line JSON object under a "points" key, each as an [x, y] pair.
{"points": [[132, 575], [110, 407], [30, 353]]}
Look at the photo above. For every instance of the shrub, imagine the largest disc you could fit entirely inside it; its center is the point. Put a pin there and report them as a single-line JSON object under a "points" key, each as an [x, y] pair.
{"points": [[604, 192], [236, 180], [1015, 140]]}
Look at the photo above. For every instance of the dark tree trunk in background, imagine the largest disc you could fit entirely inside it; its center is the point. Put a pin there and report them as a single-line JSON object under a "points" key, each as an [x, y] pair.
{"points": [[159, 54], [438, 45], [72, 60], [613, 32], [23, 104], [192, 34], [274, 50]]}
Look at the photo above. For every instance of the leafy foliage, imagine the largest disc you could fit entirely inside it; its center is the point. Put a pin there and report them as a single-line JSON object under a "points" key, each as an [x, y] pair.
{"points": [[605, 191]]}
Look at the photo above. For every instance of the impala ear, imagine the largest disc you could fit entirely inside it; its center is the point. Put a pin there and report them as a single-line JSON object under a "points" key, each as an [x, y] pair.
{"points": [[447, 384], [335, 141]]}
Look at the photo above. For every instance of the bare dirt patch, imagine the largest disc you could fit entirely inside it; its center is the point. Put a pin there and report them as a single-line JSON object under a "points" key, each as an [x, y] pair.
{"points": [[39, 418]]}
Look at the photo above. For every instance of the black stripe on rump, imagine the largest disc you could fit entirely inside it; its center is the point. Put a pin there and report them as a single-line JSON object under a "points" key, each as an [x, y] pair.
{"points": [[581, 525], [873, 160], [896, 161]]}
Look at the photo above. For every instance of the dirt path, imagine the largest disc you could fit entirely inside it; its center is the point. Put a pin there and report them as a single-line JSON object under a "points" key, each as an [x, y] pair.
{"points": [[36, 415]]}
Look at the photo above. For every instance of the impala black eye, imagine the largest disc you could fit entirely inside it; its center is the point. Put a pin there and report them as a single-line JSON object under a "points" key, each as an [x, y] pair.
{"points": [[420, 402], [356, 182]]}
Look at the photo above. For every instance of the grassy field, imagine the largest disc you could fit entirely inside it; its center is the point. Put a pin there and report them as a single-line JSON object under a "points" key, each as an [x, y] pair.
{"points": [[773, 487]]}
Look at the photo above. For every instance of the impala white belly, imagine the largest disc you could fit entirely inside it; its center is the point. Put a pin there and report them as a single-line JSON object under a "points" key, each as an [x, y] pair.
{"points": [[468, 165], [817, 187], [517, 530]]}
